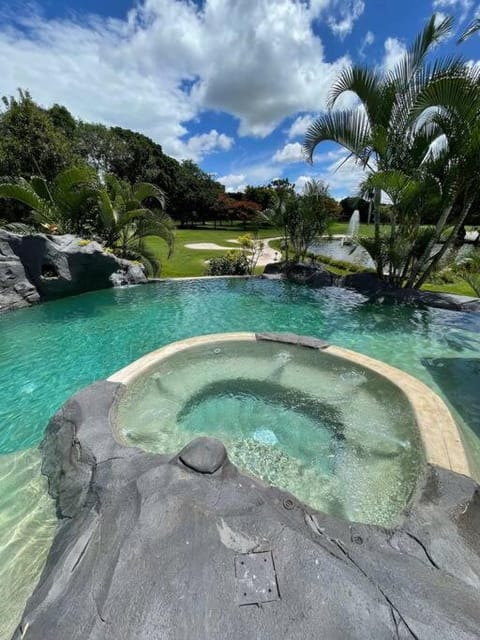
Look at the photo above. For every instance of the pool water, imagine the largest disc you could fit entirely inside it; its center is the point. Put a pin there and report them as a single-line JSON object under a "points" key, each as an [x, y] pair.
{"points": [[50, 351], [340, 437]]}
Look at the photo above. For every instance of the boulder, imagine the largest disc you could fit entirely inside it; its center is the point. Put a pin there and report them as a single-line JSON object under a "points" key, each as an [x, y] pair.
{"points": [[314, 275], [16, 291], [44, 267]]}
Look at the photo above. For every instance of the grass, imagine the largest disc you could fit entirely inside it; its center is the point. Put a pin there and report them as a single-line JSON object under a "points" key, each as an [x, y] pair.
{"points": [[460, 288], [191, 262]]}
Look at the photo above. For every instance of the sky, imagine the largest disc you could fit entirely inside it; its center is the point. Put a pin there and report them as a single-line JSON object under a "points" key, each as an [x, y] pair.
{"points": [[231, 84]]}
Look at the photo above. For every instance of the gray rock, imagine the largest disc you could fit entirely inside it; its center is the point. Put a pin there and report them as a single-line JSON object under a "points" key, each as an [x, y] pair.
{"points": [[43, 267], [16, 291], [366, 283], [301, 273], [147, 549], [204, 455]]}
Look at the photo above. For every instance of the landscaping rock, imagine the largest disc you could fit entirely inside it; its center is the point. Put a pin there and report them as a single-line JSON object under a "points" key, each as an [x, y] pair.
{"points": [[301, 273], [43, 267], [148, 549], [16, 291], [366, 283], [204, 455]]}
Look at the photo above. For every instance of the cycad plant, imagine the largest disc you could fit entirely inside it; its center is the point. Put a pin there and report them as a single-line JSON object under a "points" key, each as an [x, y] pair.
{"points": [[415, 133], [57, 207], [131, 214]]}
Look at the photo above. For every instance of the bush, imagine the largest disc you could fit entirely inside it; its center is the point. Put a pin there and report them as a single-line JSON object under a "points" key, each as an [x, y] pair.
{"points": [[234, 263]]}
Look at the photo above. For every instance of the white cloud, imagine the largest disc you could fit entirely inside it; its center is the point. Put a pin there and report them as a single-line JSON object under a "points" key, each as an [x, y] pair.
{"points": [[290, 154], [367, 41], [299, 126], [233, 182], [463, 6], [348, 13], [169, 60], [202, 144], [394, 51], [341, 174]]}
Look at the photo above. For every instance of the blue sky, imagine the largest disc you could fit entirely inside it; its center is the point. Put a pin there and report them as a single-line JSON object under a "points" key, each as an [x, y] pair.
{"points": [[231, 84]]}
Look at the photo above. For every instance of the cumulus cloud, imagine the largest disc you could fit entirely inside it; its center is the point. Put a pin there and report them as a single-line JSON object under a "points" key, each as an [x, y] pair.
{"points": [[160, 68], [233, 182], [348, 12], [202, 144], [289, 154], [299, 126]]}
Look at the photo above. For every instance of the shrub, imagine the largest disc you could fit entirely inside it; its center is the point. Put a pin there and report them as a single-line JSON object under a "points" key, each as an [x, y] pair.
{"points": [[233, 263]]}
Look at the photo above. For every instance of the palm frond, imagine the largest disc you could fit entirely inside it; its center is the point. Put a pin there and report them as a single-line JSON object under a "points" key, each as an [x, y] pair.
{"points": [[24, 193], [364, 82], [350, 128], [143, 190], [472, 28]]}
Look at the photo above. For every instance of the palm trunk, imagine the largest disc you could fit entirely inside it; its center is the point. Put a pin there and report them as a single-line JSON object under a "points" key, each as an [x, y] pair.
{"points": [[376, 219], [446, 245], [428, 250]]}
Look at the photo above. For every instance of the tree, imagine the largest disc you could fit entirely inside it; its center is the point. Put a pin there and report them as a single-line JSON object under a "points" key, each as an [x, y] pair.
{"points": [[194, 195], [301, 217], [308, 219], [415, 135], [57, 206], [127, 222], [29, 142]]}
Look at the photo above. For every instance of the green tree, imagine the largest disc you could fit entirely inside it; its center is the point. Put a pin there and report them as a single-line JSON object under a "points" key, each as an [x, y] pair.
{"points": [[30, 144], [128, 220], [56, 207], [399, 137]]}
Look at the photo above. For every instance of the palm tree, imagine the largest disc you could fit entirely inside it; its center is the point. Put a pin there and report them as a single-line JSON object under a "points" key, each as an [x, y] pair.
{"points": [[127, 222], [57, 207], [404, 134]]}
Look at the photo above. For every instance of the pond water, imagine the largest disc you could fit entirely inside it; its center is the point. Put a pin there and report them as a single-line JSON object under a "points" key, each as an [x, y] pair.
{"points": [[50, 351], [346, 250]]}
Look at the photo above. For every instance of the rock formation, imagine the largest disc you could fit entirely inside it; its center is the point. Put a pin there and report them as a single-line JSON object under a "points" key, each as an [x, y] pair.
{"points": [[187, 546], [41, 267]]}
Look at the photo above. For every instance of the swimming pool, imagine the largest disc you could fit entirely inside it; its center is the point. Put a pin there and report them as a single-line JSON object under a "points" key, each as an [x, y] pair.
{"points": [[50, 351]]}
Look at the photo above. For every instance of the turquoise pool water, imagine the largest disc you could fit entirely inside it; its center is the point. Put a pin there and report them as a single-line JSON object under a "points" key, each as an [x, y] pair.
{"points": [[50, 351]]}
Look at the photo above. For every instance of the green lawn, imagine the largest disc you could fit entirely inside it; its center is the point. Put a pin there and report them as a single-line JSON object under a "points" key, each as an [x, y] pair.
{"points": [[191, 262]]}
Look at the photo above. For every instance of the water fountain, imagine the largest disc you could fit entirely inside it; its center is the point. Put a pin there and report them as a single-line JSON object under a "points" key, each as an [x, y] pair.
{"points": [[354, 224]]}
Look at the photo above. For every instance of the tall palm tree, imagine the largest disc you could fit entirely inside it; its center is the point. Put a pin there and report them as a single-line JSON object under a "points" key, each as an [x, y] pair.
{"points": [[130, 215], [403, 118], [56, 207]]}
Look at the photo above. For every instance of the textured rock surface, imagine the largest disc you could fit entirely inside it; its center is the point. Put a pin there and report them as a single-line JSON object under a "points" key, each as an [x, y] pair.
{"points": [[40, 267], [147, 548], [16, 291]]}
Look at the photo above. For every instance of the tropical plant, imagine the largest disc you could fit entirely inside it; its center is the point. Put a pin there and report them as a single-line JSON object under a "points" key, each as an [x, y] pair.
{"points": [[233, 263], [302, 217], [131, 214], [57, 207], [468, 268], [252, 249], [416, 135]]}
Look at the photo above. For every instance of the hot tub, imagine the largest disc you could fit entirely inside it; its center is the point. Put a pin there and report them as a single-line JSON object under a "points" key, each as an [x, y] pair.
{"points": [[345, 434]]}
